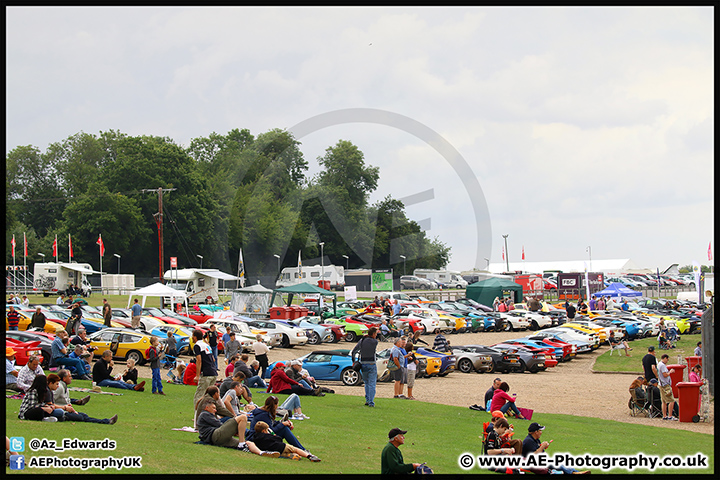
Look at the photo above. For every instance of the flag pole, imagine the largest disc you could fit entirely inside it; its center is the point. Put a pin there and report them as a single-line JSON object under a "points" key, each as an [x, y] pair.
{"points": [[25, 261], [14, 275]]}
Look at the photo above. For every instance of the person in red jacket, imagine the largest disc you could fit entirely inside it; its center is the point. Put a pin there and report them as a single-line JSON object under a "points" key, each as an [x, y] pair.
{"points": [[503, 402], [281, 383], [189, 374]]}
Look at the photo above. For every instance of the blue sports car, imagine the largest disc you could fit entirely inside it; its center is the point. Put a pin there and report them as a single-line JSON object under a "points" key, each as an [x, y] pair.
{"points": [[327, 365]]}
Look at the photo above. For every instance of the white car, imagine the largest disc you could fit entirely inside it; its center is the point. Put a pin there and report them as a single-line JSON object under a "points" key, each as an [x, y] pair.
{"points": [[290, 335], [592, 339], [536, 321], [515, 319], [429, 318], [243, 331]]}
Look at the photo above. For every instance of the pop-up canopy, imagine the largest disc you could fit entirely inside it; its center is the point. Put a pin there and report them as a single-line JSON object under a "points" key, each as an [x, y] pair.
{"points": [[158, 290], [303, 289], [617, 289]]}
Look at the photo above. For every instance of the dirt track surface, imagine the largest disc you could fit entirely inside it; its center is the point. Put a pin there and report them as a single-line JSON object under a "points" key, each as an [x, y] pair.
{"points": [[569, 388]]}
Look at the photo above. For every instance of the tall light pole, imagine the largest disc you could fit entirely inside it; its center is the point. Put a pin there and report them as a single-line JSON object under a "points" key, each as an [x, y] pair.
{"points": [[589, 250], [488, 264], [42, 255], [201, 259], [403, 257], [347, 262], [322, 261], [118, 257], [278, 259], [507, 254]]}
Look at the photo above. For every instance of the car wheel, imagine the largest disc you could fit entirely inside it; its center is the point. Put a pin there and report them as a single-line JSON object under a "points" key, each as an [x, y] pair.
{"points": [[334, 338], [314, 338], [350, 336], [350, 377], [135, 355], [522, 367], [499, 326], [534, 325], [465, 365], [492, 367], [385, 376], [285, 342], [46, 359], [423, 330]]}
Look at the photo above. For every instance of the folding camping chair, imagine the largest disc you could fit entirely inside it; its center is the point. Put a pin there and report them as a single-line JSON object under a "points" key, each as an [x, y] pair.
{"points": [[637, 407], [654, 403], [617, 346]]}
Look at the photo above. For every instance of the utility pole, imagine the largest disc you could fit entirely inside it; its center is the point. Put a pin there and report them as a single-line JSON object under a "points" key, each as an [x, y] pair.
{"points": [[159, 221], [507, 255]]}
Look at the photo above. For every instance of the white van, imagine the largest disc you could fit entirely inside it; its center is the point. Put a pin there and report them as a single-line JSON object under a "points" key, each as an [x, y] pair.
{"points": [[50, 278], [448, 278], [311, 274], [200, 285]]}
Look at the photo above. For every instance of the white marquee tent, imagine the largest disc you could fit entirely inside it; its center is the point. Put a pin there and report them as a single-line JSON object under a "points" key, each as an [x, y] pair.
{"points": [[158, 290]]}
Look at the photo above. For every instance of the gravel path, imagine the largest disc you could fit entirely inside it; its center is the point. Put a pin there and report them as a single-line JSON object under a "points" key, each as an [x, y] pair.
{"points": [[571, 388]]}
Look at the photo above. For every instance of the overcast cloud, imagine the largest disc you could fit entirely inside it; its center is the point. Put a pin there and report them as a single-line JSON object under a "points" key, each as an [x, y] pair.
{"points": [[584, 126]]}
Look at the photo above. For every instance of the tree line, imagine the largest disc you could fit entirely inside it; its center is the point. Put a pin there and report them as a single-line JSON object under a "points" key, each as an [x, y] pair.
{"points": [[225, 193]]}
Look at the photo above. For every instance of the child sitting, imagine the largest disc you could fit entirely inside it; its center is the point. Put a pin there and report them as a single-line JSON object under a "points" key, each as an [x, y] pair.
{"points": [[266, 440]]}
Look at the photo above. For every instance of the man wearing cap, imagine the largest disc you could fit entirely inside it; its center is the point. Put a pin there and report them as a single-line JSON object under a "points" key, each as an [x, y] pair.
{"points": [[10, 373], [532, 445], [391, 459], [293, 371], [649, 363]]}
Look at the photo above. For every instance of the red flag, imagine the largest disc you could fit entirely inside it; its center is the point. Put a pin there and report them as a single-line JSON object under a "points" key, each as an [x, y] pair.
{"points": [[25, 242], [523, 252], [503, 253], [55, 247], [102, 246], [12, 242], [710, 252], [70, 246]]}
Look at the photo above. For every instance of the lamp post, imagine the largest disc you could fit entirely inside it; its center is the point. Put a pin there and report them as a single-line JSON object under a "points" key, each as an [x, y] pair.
{"points": [[118, 257], [278, 259], [201, 259], [487, 267], [507, 254], [589, 250], [42, 255], [403, 257], [322, 261], [347, 262]]}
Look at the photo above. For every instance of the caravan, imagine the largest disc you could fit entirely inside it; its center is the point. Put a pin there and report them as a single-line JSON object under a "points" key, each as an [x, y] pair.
{"points": [[200, 285], [446, 278], [52, 277], [312, 274]]}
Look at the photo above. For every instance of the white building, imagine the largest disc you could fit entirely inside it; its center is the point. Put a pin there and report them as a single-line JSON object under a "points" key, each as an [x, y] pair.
{"points": [[623, 265]]}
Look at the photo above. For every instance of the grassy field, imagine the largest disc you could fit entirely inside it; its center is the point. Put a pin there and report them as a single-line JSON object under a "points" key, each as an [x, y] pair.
{"points": [[633, 364], [346, 435]]}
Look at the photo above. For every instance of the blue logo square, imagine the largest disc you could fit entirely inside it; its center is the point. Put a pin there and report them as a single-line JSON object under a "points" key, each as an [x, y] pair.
{"points": [[17, 462], [17, 444]]}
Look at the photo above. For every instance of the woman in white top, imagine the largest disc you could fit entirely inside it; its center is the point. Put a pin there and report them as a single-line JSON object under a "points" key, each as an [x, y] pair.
{"points": [[261, 351]]}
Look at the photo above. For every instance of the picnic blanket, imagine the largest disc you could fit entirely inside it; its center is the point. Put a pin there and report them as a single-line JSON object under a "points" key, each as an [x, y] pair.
{"points": [[90, 390], [186, 429], [16, 396]]}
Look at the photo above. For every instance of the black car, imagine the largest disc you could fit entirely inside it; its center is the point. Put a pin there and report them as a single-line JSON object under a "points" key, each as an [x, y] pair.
{"points": [[503, 359], [532, 362], [44, 345]]}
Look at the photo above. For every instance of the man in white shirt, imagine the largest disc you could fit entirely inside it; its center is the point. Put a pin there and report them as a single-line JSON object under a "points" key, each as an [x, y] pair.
{"points": [[60, 300], [27, 374], [666, 393]]}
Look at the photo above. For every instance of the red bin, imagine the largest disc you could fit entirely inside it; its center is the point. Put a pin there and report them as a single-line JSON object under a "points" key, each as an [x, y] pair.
{"points": [[692, 361], [689, 400], [676, 377], [279, 313]]}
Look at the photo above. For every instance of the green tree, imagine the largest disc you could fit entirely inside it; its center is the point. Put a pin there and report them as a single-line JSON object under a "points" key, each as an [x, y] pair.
{"points": [[345, 171]]}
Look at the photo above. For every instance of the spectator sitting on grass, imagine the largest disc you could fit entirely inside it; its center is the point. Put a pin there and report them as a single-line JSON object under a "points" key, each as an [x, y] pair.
{"points": [[282, 428], [533, 446], [504, 437], [214, 432], [268, 441], [244, 391], [232, 396], [212, 395]]}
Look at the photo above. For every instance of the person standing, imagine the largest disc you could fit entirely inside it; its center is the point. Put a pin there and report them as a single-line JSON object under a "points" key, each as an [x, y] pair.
{"points": [[60, 300], [13, 318], [666, 393], [212, 339], [570, 311], [154, 359], [649, 363], [411, 369], [136, 313], [698, 349], [231, 347], [38, 319], [261, 354], [625, 307], [397, 356], [75, 321], [205, 373], [609, 303], [391, 459], [107, 313], [366, 349]]}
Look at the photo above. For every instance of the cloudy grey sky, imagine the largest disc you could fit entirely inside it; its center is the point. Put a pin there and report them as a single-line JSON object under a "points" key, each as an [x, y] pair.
{"points": [[583, 126]]}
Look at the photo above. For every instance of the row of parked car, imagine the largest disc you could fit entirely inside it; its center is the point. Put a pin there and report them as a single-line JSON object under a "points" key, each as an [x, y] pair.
{"points": [[542, 348]]}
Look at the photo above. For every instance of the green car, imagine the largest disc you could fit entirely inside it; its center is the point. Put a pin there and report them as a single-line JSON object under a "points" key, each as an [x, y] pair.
{"points": [[341, 312], [353, 330]]}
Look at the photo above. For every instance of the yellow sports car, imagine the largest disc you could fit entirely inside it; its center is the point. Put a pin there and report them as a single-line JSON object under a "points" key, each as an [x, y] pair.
{"points": [[26, 320], [123, 342]]}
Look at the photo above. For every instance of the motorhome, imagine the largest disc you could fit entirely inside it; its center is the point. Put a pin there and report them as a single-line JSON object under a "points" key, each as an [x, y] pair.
{"points": [[200, 285], [448, 278], [50, 278], [312, 274]]}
